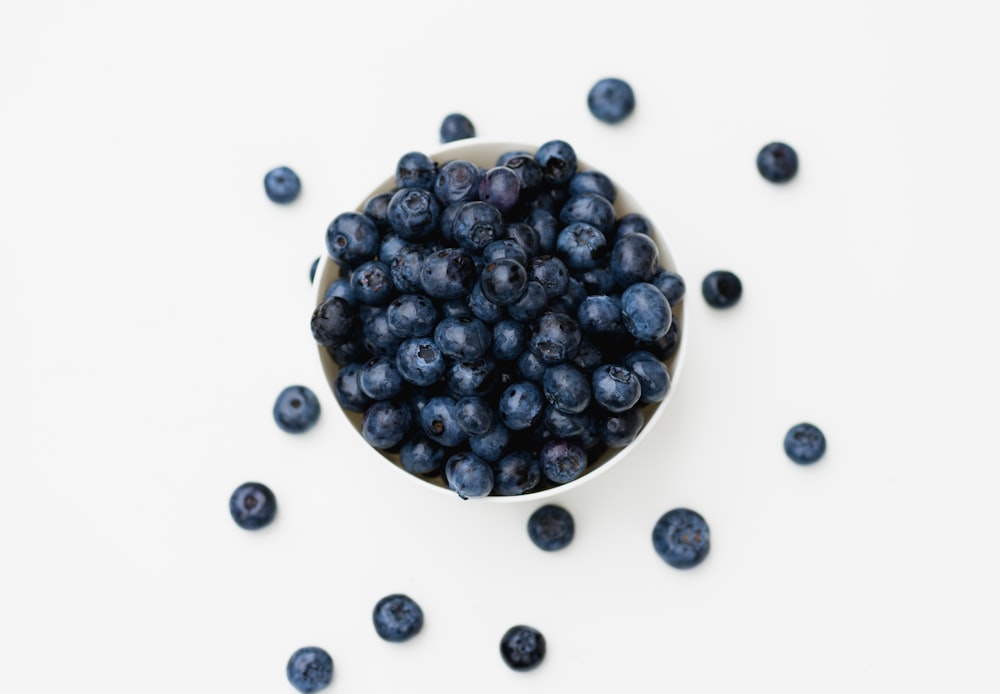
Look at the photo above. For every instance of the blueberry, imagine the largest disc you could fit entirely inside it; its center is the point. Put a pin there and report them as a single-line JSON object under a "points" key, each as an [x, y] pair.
{"points": [[507, 156], [457, 181], [509, 340], [420, 362], [469, 475], [582, 246], [531, 305], [645, 311], [296, 409], [421, 456], [547, 228], [415, 170], [282, 185], [252, 506], [524, 236], [597, 280], [566, 388], [347, 389], [522, 647], [404, 268], [379, 340], [474, 416], [531, 367], [564, 425], [591, 209], [569, 301], [313, 267], [500, 187], [471, 378], [342, 288], [455, 126], [777, 162], [681, 538], [671, 285], [371, 283], [615, 388], [332, 322], [617, 430], [505, 249], [481, 307], [562, 461], [634, 258], [351, 239], [588, 357], [664, 347], [386, 423], [555, 338], [593, 182], [448, 274], [397, 618], [600, 314], [377, 209], [521, 405], [380, 379], [411, 315], [551, 527], [558, 161], [654, 379], [611, 100], [526, 168], [551, 273], [516, 473], [805, 443], [491, 445], [721, 289], [310, 669], [634, 223], [457, 308], [413, 213], [476, 225], [390, 246], [439, 421], [464, 339], [504, 281]]}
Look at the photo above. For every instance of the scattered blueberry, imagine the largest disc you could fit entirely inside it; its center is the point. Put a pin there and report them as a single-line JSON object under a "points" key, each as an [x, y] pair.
{"points": [[611, 100], [282, 185], [296, 409], [681, 538], [312, 270], [310, 669], [455, 126], [805, 443], [522, 647], [397, 617], [721, 289], [252, 506], [777, 162], [551, 527]]}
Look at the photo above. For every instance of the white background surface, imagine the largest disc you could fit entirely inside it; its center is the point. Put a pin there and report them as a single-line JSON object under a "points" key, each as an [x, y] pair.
{"points": [[154, 303]]}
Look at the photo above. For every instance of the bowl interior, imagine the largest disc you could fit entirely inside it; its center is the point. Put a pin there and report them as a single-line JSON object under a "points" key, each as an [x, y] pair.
{"points": [[484, 153]]}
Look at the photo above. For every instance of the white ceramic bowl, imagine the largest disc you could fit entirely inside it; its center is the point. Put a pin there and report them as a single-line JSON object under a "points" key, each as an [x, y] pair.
{"points": [[484, 153]]}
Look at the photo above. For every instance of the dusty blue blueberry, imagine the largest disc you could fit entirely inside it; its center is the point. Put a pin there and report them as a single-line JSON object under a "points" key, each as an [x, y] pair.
{"points": [[558, 161], [377, 209], [463, 339], [516, 473], [371, 283], [531, 367], [469, 475], [475, 377], [351, 351], [569, 301], [615, 388], [551, 272], [551, 527], [593, 182], [664, 347], [457, 308], [421, 456], [457, 182], [389, 247], [282, 185], [413, 213], [617, 430], [531, 305], [805, 443], [564, 425], [347, 389], [386, 423], [380, 379], [634, 258], [415, 170], [554, 338], [351, 239], [505, 249], [420, 362], [493, 444], [777, 162], [474, 415], [379, 340], [681, 538], [566, 388], [481, 307], [397, 618], [671, 285], [581, 246], [500, 187], [597, 280], [546, 226], [252, 506], [439, 421], [611, 100], [633, 223], [296, 409], [521, 405], [591, 209], [526, 168], [645, 311], [522, 647], [341, 287], [600, 314], [476, 226], [524, 236], [588, 357], [310, 669], [404, 268], [456, 126], [411, 315], [721, 289], [448, 274], [654, 379], [507, 156], [562, 461], [503, 281], [332, 322], [509, 339]]}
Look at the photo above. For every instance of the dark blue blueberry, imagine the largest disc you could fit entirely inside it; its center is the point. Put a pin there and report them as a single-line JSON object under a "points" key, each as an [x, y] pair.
{"points": [[521, 405], [332, 322], [469, 475], [645, 312], [415, 170], [593, 182], [551, 273], [505, 249], [516, 473], [482, 308], [634, 223], [457, 308], [598, 280], [531, 305], [563, 425], [397, 618], [548, 198], [421, 456], [455, 126], [282, 185], [313, 267], [634, 258], [377, 210], [404, 268], [551, 527], [591, 209], [371, 283], [411, 315], [448, 274], [581, 246], [531, 367], [617, 430], [555, 338], [310, 669], [379, 340], [439, 421], [390, 247], [681, 538], [588, 357], [522, 647], [509, 340], [562, 461], [566, 388], [507, 156], [420, 362], [252, 506], [457, 181], [600, 314], [474, 415], [471, 378], [386, 423], [413, 213], [569, 301], [503, 281], [464, 339], [547, 228], [615, 388], [500, 187], [558, 161], [805, 443], [342, 288], [476, 226], [380, 379], [352, 351], [777, 162], [351, 239], [493, 444], [296, 409], [664, 347], [671, 285], [721, 289], [654, 380], [526, 168], [611, 100], [348, 391], [518, 234]]}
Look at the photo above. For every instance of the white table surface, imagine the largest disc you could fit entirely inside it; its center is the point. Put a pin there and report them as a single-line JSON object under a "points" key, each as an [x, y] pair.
{"points": [[154, 303]]}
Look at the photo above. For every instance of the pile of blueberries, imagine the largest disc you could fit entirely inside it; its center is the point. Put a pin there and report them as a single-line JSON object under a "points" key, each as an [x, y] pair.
{"points": [[501, 326]]}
